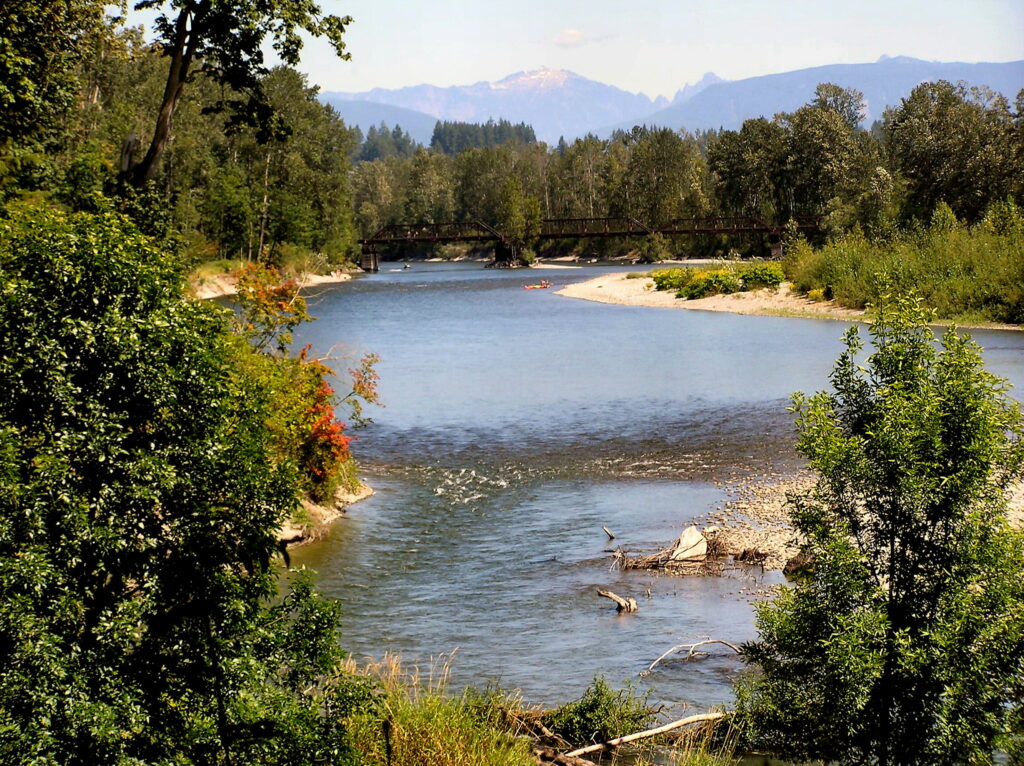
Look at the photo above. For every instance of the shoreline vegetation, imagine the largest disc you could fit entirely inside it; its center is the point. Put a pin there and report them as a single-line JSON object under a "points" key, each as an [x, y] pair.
{"points": [[968, 275], [312, 520], [205, 284]]}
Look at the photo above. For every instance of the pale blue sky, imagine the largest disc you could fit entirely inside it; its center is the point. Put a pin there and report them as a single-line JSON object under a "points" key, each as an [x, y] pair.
{"points": [[652, 46]]}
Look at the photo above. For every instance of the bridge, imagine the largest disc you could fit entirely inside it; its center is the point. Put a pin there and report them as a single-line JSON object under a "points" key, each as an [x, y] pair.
{"points": [[571, 228]]}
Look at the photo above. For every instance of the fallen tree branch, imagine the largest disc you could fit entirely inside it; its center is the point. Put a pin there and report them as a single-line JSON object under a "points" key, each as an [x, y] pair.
{"points": [[624, 604], [691, 652], [611, 535], [546, 755], [649, 733]]}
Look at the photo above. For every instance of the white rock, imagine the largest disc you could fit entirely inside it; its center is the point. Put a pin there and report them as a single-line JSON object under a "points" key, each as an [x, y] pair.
{"points": [[690, 545]]}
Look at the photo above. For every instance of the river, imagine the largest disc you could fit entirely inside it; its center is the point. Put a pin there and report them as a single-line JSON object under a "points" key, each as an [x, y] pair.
{"points": [[517, 424]]}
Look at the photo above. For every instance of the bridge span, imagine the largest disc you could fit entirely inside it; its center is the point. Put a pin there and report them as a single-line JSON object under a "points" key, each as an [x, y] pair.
{"points": [[570, 228]]}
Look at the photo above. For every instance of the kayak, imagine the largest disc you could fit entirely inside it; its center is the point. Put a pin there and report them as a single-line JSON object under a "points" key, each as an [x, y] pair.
{"points": [[541, 286]]}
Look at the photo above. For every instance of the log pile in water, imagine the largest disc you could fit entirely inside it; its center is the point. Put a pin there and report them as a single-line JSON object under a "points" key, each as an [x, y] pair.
{"points": [[695, 552]]}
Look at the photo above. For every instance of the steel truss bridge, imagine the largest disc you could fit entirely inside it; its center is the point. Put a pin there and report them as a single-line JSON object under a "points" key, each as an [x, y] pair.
{"points": [[397, 234]]}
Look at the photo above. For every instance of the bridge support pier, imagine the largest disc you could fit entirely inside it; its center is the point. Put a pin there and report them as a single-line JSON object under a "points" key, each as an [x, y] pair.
{"points": [[369, 259], [504, 254]]}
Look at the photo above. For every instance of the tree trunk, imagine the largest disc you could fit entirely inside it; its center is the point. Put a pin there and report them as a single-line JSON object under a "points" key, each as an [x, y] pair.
{"points": [[183, 48]]}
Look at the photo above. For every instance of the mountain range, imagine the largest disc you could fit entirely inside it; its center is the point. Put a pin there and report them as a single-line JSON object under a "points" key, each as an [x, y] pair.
{"points": [[558, 103]]}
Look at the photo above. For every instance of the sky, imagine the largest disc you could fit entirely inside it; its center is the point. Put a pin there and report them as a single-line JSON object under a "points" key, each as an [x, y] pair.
{"points": [[649, 46]]}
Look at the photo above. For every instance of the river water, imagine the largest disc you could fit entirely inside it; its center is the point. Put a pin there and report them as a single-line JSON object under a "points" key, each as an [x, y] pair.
{"points": [[517, 424]]}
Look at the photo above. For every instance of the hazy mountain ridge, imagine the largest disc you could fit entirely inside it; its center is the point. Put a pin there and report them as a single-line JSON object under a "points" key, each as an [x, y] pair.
{"points": [[554, 101], [363, 114], [884, 83], [560, 103]]}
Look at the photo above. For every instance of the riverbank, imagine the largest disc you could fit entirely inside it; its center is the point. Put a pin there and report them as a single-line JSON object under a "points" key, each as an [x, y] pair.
{"points": [[220, 285], [618, 289], [755, 517], [313, 520]]}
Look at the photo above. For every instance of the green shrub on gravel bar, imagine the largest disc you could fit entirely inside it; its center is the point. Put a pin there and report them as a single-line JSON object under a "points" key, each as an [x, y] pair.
{"points": [[706, 283], [759, 275], [690, 283]]}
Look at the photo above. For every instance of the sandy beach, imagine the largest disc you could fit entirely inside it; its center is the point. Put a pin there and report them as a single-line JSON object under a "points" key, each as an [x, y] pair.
{"points": [[615, 288], [218, 286]]}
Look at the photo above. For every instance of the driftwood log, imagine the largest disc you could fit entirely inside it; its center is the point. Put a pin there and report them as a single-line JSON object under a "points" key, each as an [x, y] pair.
{"points": [[646, 734], [691, 652], [622, 604]]}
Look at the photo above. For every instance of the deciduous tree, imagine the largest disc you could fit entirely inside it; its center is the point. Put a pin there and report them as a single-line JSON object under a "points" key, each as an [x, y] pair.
{"points": [[223, 39], [904, 644]]}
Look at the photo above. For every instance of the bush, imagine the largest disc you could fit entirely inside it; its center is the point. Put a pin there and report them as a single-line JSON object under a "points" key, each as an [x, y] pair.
{"points": [[600, 714], [140, 612], [762, 275], [707, 283], [904, 643], [672, 279], [963, 273], [817, 295]]}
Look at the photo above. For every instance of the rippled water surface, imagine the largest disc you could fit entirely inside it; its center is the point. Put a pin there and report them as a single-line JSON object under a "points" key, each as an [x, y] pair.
{"points": [[517, 424]]}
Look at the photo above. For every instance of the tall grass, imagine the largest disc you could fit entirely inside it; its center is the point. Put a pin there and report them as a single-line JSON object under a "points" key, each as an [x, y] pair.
{"points": [[401, 717], [965, 274], [414, 721], [711, 744]]}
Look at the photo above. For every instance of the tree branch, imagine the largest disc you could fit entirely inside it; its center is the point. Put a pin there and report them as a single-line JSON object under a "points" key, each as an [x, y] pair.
{"points": [[691, 652]]}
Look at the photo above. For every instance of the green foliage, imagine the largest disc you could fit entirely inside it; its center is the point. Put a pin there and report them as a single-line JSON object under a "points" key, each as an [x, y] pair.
{"points": [[711, 282], [653, 249], [382, 142], [760, 275], [412, 720], [600, 714], [40, 46], [956, 145], [816, 295], [967, 273], [672, 279], [454, 137], [693, 283], [904, 643], [139, 504]]}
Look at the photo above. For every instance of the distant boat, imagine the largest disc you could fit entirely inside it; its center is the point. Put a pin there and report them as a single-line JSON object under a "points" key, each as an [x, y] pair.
{"points": [[544, 284]]}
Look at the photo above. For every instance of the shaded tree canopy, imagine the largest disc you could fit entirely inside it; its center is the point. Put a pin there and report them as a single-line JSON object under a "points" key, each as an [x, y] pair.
{"points": [[223, 39]]}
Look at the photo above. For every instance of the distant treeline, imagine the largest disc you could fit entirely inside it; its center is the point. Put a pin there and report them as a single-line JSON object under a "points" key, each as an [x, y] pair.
{"points": [[943, 143], [450, 137], [456, 137]]}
